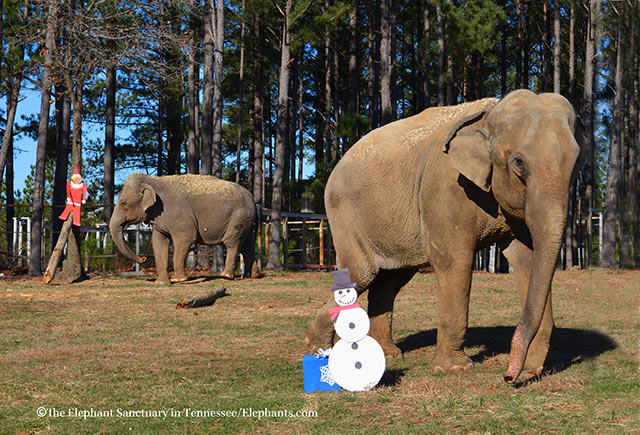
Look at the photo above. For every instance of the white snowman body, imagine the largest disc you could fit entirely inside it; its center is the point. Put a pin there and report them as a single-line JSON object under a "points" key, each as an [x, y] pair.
{"points": [[357, 361]]}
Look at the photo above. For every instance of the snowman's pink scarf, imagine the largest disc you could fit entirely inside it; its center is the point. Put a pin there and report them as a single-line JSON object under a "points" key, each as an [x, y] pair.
{"points": [[336, 310]]}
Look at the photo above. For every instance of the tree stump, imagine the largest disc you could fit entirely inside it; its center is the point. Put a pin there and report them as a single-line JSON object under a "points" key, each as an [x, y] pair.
{"points": [[57, 251], [72, 266]]}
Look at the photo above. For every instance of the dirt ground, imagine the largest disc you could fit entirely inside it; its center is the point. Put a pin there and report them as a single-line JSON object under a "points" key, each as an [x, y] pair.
{"points": [[113, 343]]}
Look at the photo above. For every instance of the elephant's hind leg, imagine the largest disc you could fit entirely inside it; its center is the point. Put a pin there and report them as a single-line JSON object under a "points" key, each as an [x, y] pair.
{"points": [[320, 332], [382, 294], [180, 250]]}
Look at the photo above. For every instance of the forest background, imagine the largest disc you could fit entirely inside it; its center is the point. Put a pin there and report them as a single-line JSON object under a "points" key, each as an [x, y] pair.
{"points": [[270, 94]]}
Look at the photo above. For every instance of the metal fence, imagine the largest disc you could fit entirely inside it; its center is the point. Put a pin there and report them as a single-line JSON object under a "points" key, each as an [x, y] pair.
{"points": [[306, 244]]}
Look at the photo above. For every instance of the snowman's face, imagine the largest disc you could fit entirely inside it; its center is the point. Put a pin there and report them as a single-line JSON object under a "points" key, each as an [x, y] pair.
{"points": [[345, 296]]}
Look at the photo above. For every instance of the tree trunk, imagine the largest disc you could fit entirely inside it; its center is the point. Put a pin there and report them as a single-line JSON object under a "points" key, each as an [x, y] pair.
{"points": [[273, 260], [13, 95], [63, 125], [207, 91], [424, 99], [241, 95], [8, 186], [385, 62], [216, 149], [525, 45], [557, 42], [612, 200], [441, 53], [258, 124], [503, 62], [354, 71], [572, 54], [218, 42], [193, 102], [373, 65], [35, 265], [327, 93], [547, 79], [634, 146], [588, 115], [109, 143]]}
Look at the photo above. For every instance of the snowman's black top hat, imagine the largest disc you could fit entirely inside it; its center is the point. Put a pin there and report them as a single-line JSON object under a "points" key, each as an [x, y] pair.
{"points": [[341, 279]]}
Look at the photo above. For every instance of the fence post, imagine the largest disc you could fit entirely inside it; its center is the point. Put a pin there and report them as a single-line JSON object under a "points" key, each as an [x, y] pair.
{"points": [[138, 246], [303, 251], [285, 241], [321, 237], [260, 238]]}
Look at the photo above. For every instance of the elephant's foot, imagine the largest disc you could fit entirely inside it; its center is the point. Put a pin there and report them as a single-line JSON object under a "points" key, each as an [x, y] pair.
{"points": [[255, 272], [451, 362], [390, 350], [319, 338], [179, 278], [227, 275], [162, 281], [534, 363]]}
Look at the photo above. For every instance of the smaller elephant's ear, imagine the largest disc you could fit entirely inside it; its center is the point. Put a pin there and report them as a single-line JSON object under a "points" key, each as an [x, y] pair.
{"points": [[148, 196], [467, 146]]}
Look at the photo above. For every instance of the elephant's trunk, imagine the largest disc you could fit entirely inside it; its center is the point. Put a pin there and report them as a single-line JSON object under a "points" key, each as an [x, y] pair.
{"points": [[546, 223], [116, 228]]}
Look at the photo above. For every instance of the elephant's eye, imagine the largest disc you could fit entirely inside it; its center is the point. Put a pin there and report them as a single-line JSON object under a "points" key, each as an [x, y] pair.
{"points": [[519, 167]]}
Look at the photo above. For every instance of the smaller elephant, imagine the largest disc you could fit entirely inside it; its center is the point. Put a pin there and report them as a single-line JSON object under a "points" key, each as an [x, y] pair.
{"points": [[187, 209]]}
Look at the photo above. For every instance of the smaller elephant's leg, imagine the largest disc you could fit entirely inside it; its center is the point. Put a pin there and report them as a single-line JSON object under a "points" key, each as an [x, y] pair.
{"points": [[249, 256], [454, 286], [382, 294], [521, 257], [160, 244], [230, 261], [180, 251]]}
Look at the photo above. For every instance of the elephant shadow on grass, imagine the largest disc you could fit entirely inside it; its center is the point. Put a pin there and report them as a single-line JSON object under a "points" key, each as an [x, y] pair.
{"points": [[568, 346]]}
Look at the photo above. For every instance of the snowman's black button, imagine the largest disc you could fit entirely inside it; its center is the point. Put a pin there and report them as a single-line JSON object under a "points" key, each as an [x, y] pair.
{"points": [[358, 365], [354, 345], [352, 325]]}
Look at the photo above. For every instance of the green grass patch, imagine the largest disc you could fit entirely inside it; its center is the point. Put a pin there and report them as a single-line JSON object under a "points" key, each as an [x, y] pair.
{"points": [[119, 346]]}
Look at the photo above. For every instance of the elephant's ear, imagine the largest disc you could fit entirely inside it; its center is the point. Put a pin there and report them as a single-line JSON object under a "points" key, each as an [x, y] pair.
{"points": [[148, 196], [467, 145]]}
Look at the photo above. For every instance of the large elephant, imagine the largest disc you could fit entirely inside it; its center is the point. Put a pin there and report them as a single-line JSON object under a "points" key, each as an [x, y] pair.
{"points": [[440, 185], [187, 209]]}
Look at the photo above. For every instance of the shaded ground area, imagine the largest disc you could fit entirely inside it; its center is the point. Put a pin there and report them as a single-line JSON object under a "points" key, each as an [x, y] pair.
{"points": [[114, 343]]}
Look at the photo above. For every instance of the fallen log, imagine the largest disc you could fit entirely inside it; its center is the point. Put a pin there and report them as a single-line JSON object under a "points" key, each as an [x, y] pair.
{"points": [[205, 300]]}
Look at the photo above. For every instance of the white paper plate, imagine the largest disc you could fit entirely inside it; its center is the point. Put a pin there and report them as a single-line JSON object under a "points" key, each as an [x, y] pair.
{"points": [[357, 366], [352, 324]]}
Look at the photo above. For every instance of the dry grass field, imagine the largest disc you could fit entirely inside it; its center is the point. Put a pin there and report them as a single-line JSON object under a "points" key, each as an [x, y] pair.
{"points": [[110, 354]]}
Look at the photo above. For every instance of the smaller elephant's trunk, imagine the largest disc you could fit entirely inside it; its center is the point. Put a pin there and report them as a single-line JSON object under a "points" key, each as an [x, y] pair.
{"points": [[116, 229]]}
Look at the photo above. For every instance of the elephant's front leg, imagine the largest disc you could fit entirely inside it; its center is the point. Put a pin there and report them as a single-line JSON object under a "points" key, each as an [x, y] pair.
{"points": [[160, 244], [521, 258], [454, 285], [180, 251]]}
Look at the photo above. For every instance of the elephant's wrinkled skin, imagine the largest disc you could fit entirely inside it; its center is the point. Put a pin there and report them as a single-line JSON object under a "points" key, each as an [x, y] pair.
{"points": [[438, 186], [187, 209]]}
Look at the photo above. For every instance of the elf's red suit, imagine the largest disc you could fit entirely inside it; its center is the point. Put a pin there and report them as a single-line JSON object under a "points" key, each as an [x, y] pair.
{"points": [[76, 196]]}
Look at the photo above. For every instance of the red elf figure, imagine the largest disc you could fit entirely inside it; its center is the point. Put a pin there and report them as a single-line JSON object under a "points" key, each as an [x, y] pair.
{"points": [[76, 197]]}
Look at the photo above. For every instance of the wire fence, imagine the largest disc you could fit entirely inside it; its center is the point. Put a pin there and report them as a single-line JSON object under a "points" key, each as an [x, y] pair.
{"points": [[306, 244]]}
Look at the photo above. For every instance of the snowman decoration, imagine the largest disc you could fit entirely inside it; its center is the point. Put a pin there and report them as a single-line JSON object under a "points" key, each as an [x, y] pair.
{"points": [[356, 361]]}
